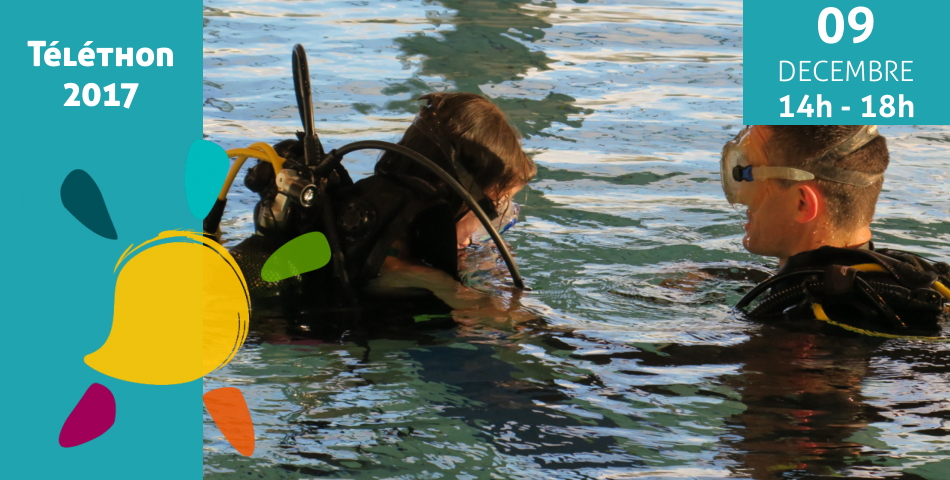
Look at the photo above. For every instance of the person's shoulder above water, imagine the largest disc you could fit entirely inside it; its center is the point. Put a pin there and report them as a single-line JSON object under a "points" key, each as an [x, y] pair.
{"points": [[880, 290], [401, 227], [810, 194]]}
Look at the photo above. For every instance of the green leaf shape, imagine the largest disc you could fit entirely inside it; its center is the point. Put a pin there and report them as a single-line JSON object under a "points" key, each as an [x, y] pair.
{"points": [[303, 254]]}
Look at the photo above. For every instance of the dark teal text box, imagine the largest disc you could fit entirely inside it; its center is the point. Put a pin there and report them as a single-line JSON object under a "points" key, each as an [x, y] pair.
{"points": [[59, 281], [909, 31]]}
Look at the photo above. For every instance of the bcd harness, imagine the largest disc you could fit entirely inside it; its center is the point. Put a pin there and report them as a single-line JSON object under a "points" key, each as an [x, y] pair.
{"points": [[303, 189], [883, 293]]}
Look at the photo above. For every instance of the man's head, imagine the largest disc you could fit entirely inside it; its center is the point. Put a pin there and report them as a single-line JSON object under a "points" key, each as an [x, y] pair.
{"points": [[823, 192]]}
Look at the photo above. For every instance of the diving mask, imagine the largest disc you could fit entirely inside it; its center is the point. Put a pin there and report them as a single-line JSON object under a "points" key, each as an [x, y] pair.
{"points": [[507, 218], [737, 174]]}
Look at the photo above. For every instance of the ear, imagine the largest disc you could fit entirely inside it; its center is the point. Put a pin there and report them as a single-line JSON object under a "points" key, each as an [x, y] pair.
{"points": [[810, 201]]}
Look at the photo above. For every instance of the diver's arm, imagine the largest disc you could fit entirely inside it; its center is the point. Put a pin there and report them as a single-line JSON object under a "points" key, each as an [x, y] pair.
{"points": [[397, 273]]}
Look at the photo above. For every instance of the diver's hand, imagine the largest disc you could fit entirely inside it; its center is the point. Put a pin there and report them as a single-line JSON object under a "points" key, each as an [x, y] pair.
{"points": [[464, 301]]}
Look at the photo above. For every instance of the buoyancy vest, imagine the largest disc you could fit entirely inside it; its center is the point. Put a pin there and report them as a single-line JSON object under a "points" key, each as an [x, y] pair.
{"points": [[370, 216], [878, 290]]}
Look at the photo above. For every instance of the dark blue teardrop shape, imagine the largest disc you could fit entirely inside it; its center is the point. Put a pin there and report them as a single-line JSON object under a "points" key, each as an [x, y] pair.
{"points": [[82, 197]]}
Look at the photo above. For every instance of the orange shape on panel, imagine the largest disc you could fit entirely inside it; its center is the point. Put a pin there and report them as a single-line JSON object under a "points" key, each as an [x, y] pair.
{"points": [[229, 412]]}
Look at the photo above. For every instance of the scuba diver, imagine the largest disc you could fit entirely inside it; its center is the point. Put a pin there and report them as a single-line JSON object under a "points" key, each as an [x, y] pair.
{"points": [[810, 193], [448, 183]]}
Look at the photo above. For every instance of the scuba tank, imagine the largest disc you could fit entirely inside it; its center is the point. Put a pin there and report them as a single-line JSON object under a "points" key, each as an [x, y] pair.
{"points": [[885, 293], [304, 189]]}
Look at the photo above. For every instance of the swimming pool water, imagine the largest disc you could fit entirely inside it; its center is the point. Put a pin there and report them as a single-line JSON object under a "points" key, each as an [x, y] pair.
{"points": [[639, 370]]}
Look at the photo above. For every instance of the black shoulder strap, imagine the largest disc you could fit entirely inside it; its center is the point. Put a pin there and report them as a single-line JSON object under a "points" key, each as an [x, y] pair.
{"points": [[408, 208], [908, 269], [891, 289], [941, 269], [398, 228]]}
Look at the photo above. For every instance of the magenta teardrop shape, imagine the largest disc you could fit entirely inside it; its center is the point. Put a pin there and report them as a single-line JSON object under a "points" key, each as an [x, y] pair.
{"points": [[92, 416]]}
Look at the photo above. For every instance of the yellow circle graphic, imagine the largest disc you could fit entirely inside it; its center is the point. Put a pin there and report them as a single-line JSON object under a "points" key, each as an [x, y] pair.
{"points": [[181, 312]]}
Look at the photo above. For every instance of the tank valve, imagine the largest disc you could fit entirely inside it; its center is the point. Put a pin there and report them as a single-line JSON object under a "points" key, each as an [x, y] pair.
{"points": [[299, 190]]}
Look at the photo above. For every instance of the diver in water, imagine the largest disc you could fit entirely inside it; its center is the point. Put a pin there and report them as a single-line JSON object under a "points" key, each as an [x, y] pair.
{"points": [[811, 192], [399, 230], [467, 134]]}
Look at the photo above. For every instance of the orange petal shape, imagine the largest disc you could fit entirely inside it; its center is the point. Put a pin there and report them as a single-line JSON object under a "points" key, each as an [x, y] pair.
{"points": [[229, 412]]}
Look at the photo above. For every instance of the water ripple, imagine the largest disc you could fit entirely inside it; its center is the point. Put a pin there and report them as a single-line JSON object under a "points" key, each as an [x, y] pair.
{"points": [[632, 254]]}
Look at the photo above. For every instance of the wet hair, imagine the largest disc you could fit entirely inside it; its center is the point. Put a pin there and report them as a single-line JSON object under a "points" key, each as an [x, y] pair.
{"points": [[849, 206], [485, 143]]}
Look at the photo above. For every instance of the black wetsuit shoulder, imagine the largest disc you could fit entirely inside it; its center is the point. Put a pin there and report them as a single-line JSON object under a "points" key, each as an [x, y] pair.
{"points": [[868, 288], [370, 216]]}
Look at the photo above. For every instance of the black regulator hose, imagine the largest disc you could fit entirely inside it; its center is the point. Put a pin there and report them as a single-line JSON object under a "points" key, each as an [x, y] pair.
{"points": [[312, 149], [336, 154], [758, 289]]}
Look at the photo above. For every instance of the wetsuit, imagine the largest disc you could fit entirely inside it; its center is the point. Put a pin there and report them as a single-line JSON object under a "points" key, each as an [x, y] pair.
{"points": [[370, 216], [880, 290]]}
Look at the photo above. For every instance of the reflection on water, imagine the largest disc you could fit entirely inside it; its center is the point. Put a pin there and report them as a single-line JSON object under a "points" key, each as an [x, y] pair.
{"points": [[485, 48], [469, 401], [802, 393], [641, 369]]}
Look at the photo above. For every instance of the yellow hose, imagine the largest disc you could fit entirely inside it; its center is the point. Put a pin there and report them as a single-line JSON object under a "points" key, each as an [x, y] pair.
{"points": [[820, 314], [232, 173], [276, 160], [942, 289], [260, 151], [869, 267], [873, 267]]}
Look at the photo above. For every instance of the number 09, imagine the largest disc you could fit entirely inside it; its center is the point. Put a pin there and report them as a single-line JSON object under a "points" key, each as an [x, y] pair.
{"points": [[867, 26]]}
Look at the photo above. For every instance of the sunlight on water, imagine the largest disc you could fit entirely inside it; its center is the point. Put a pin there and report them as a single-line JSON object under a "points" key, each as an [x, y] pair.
{"points": [[642, 370]]}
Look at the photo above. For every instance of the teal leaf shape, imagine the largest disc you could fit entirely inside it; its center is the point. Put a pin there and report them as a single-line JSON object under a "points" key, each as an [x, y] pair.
{"points": [[205, 169]]}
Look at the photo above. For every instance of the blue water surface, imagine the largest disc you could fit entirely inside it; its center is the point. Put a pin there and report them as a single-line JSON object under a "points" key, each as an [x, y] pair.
{"points": [[641, 368]]}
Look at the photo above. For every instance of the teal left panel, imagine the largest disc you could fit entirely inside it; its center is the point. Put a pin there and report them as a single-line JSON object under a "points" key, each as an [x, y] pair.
{"points": [[58, 284]]}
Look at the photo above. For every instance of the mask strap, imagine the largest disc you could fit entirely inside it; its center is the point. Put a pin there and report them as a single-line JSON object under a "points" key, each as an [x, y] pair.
{"points": [[459, 171], [466, 178], [825, 164]]}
